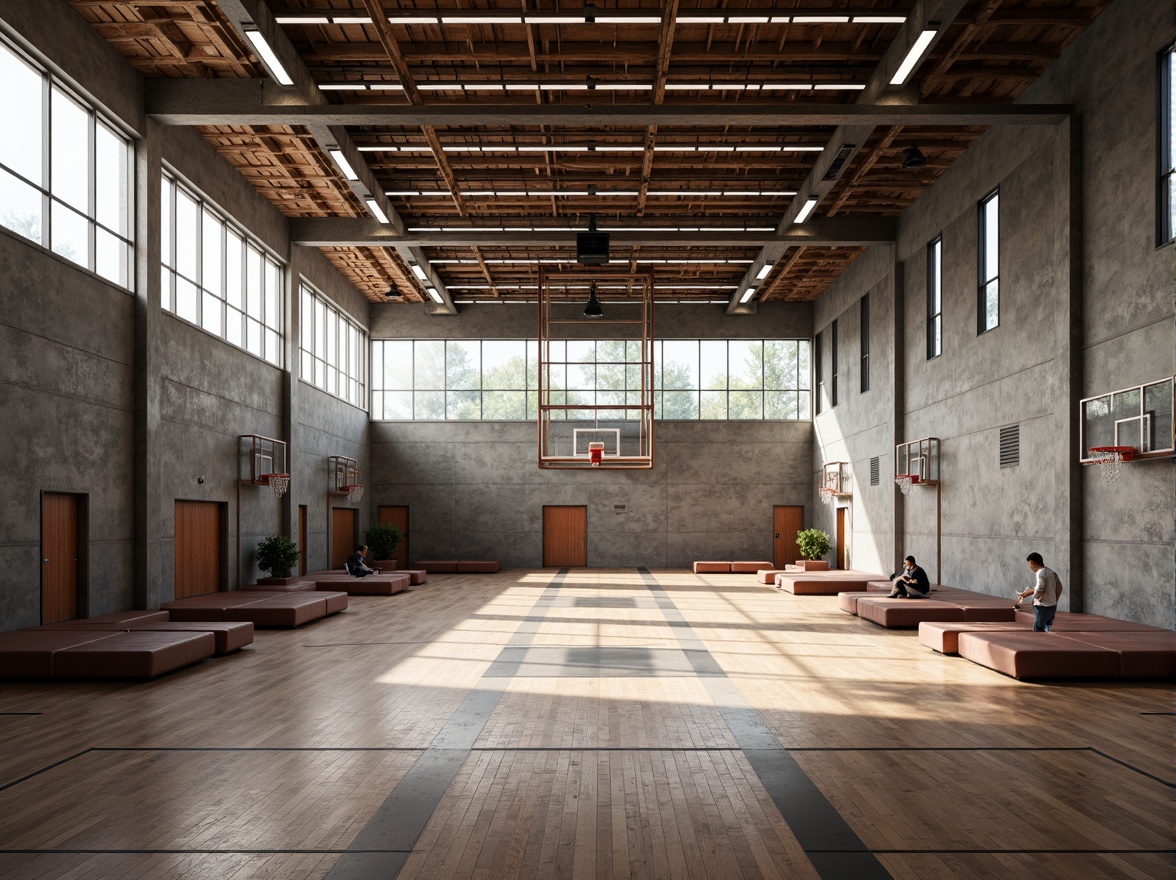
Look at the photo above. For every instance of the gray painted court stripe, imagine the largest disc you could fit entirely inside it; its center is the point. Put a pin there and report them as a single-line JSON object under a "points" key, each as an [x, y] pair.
{"points": [[829, 843], [380, 850]]}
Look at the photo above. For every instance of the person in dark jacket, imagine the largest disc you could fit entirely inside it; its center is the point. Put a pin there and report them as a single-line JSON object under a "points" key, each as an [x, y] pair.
{"points": [[911, 583], [357, 566]]}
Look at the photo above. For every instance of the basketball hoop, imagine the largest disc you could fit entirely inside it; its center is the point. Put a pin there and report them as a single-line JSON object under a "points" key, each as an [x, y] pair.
{"points": [[354, 492], [279, 484], [596, 453], [905, 481], [1108, 459], [827, 495]]}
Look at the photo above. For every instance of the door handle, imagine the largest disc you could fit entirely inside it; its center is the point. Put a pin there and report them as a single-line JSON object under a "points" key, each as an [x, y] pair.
{"points": [[44, 561], [777, 534]]}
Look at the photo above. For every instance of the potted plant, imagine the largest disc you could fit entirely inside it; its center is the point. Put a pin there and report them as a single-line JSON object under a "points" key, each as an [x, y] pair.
{"points": [[382, 539], [278, 555], [813, 544]]}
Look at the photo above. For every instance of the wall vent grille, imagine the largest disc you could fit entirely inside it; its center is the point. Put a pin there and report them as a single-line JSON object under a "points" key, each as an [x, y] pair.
{"points": [[874, 466], [1010, 446]]}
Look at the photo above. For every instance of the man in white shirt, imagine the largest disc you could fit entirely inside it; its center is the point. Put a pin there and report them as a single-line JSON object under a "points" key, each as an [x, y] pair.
{"points": [[1045, 592]]}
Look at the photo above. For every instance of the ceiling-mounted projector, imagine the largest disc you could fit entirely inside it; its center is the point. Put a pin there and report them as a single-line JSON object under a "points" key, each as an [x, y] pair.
{"points": [[592, 246]]}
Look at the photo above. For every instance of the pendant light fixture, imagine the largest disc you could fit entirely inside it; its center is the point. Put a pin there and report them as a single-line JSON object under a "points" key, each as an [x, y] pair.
{"points": [[593, 309]]}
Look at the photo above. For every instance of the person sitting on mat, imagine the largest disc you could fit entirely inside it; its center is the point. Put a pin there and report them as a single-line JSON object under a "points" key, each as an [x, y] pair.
{"points": [[357, 566], [911, 583]]}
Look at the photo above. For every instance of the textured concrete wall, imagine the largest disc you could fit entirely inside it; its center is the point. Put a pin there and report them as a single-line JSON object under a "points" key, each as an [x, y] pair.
{"points": [[860, 427], [474, 489], [324, 425], [66, 404], [1084, 293]]}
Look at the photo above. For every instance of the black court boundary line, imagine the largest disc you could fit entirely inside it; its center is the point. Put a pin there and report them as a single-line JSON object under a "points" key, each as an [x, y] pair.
{"points": [[10, 714], [409, 807], [311, 852], [825, 837]]}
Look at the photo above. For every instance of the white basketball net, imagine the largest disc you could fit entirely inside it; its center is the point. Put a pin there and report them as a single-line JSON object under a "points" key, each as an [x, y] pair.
{"points": [[354, 493], [279, 484], [827, 495], [1108, 462], [904, 484]]}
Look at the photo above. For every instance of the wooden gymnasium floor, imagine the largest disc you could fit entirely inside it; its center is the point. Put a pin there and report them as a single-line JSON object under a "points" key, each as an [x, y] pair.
{"points": [[591, 723]]}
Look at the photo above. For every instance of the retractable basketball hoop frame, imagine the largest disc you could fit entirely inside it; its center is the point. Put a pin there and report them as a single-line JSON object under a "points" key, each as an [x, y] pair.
{"points": [[585, 422], [916, 463]]}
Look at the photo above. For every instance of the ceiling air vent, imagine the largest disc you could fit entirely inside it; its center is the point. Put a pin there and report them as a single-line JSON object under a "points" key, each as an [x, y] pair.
{"points": [[874, 471], [1010, 446], [835, 168]]}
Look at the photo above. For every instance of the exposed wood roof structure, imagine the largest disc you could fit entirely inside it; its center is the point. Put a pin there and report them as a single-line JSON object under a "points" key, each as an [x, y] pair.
{"points": [[488, 134]]}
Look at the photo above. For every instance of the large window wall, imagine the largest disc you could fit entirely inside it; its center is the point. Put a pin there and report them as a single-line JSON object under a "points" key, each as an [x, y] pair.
{"points": [[498, 379], [217, 276], [65, 171], [333, 348]]}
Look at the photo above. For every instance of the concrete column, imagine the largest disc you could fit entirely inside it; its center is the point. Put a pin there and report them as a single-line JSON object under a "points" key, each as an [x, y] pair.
{"points": [[150, 512], [1068, 331], [898, 417]]}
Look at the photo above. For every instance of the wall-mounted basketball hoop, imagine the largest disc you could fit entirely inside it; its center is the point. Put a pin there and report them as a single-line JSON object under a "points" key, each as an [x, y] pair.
{"points": [[343, 477], [836, 481], [1108, 459], [1132, 424], [263, 463], [916, 463]]}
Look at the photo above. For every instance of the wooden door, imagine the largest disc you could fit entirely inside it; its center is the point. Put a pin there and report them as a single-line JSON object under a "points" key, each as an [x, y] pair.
{"points": [[198, 548], [59, 557], [398, 516], [343, 540], [565, 537], [302, 539], [787, 520], [842, 556]]}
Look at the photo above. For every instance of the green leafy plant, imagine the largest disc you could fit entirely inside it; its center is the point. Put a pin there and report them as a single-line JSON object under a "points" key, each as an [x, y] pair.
{"points": [[382, 540], [278, 555], [812, 543]]}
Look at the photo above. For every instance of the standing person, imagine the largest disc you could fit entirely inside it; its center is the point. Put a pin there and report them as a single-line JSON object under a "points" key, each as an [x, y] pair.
{"points": [[357, 566], [1046, 593], [911, 583]]}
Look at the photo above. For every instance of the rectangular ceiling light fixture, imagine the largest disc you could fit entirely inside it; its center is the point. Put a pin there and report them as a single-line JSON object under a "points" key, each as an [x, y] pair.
{"points": [[809, 204], [376, 210], [343, 164], [764, 271], [436, 297], [269, 57], [915, 54], [747, 295]]}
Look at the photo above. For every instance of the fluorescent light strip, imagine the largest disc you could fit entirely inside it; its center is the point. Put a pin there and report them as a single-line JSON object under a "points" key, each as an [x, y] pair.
{"points": [[436, 297], [419, 272], [619, 193], [269, 58], [747, 294], [506, 261], [543, 229], [764, 271], [913, 57], [376, 210], [806, 210], [573, 148], [599, 286], [595, 86], [684, 17], [343, 164], [763, 87]]}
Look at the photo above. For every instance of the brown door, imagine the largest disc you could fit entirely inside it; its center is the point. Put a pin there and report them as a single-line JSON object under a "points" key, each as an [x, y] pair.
{"points": [[59, 557], [343, 520], [786, 522], [398, 516], [842, 543], [302, 538], [565, 537], [198, 548]]}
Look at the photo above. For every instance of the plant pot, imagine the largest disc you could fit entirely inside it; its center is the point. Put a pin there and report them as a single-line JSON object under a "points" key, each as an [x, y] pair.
{"points": [[383, 564], [813, 564], [277, 582]]}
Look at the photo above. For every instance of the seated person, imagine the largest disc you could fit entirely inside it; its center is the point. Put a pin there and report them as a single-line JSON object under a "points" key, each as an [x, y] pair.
{"points": [[911, 583], [357, 566]]}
